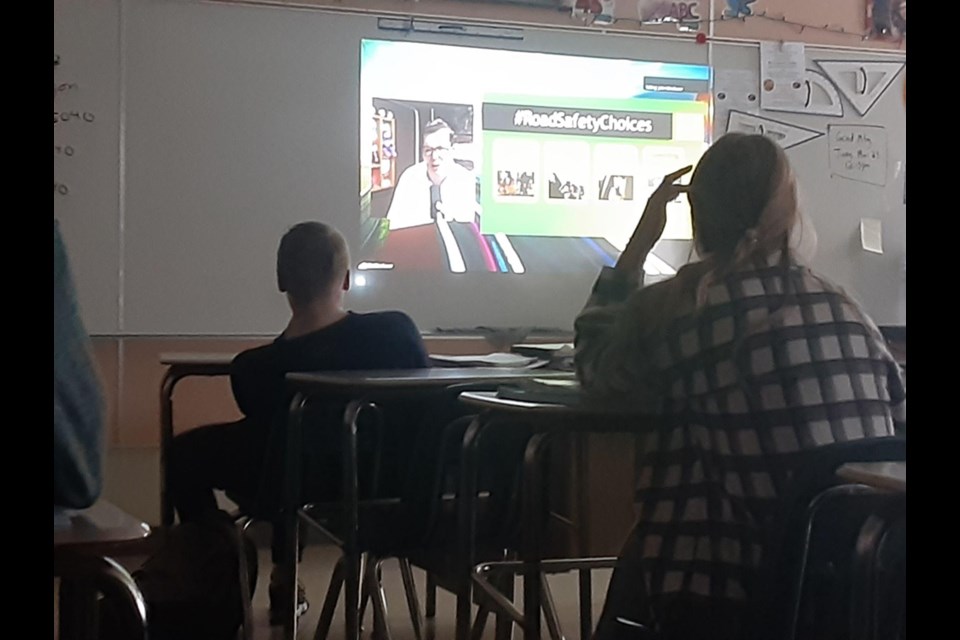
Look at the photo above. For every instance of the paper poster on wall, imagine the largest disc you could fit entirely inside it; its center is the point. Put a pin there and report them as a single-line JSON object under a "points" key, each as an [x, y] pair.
{"points": [[603, 10], [871, 235], [782, 75], [858, 152], [738, 8], [686, 15], [785, 134], [734, 89], [861, 82], [887, 19], [607, 7], [822, 98]]}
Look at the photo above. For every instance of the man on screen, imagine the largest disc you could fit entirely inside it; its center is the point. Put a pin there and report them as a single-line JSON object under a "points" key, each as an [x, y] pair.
{"points": [[437, 187]]}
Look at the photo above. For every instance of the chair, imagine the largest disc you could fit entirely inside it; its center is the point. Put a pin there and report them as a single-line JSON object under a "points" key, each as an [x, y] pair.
{"points": [[807, 577], [83, 576], [820, 545], [878, 606], [419, 526], [377, 453], [264, 507]]}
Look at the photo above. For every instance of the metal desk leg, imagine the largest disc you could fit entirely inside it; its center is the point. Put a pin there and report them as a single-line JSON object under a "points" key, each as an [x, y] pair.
{"points": [[533, 538], [330, 602], [351, 547], [291, 504], [170, 380], [431, 605], [467, 522], [583, 535], [586, 605], [504, 622]]}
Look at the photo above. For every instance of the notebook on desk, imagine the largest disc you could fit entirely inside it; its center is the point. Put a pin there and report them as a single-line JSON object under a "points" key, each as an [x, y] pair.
{"points": [[545, 350], [542, 390]]}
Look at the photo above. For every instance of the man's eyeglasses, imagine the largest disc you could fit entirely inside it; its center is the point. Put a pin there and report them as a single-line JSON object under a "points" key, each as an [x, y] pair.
{"points": [[432, 151]]}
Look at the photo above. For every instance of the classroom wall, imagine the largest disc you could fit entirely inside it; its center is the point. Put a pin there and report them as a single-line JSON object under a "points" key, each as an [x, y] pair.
{"points": [[129, 366], [769, 22]]}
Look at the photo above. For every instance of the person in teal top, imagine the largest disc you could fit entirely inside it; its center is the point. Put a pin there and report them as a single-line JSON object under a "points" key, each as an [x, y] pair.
{"points": [[77, 402]]}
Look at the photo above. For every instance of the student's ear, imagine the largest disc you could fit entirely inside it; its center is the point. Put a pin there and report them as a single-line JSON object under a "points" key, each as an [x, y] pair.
{"points": [[346, 281]]}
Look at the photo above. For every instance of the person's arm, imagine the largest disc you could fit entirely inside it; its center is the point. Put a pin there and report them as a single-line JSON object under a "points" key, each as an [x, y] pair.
{"points": [[612, 352], [416, 349], [77, 403], [392, 342], [257, 380]]}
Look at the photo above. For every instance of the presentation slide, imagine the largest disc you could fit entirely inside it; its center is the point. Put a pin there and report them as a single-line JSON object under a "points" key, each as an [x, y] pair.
{"points": [[479, 160]]}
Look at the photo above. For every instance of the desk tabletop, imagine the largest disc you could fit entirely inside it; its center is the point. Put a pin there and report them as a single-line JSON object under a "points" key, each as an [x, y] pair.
{"points": [[891, 476], [102, 524], [416, 378]]}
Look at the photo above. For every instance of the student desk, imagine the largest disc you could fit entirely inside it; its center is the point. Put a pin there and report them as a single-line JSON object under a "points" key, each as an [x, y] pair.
{"points": [[100, 529], [545, 421], [360, 390], [82, 540], [180, 366], [888, 476]]}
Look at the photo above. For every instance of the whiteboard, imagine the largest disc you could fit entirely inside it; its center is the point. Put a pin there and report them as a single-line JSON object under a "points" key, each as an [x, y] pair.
{"points": [[836, 200], [230, 123], [86, 152]]}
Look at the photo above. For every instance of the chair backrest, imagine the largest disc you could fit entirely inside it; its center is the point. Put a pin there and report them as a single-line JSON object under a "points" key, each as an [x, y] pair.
{"points": [[434, 468], [878, 607], [381, 447], [810, 542]]}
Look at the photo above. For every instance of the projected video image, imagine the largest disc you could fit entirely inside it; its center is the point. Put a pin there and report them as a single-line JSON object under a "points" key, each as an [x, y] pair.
{"points": [[522, 185], [483, 160]]}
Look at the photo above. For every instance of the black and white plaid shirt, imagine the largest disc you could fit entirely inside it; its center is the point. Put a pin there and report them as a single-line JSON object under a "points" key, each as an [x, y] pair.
{"points": [[758, 375]]}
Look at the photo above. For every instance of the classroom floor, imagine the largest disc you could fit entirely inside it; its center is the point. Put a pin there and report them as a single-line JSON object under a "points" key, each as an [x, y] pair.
{"points": [[131, 483], [315, 569], [315, 572]]}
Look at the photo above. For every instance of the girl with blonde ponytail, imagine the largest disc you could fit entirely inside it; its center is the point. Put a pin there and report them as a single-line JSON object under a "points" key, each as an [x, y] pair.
{"points": [[754, 358]]}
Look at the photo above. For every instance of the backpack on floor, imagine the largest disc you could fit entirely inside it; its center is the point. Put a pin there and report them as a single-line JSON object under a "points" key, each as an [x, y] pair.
{"points": [[192, 583]]}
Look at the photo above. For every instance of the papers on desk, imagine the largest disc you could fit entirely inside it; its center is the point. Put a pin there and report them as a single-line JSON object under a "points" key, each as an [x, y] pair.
{"points": [[549, 350], [559, 354], [542, 390], [506, 360]]}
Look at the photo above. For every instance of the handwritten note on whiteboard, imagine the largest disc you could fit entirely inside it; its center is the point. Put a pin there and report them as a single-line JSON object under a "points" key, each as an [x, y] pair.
{"points": [[72, 123], [858, 152]]}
